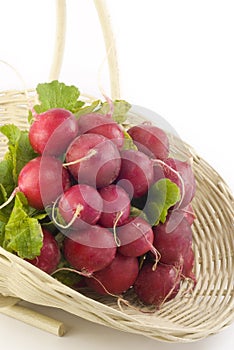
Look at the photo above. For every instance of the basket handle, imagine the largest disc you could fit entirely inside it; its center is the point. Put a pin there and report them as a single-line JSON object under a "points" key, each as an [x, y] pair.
{"points": [[9, 307], [105, 21], [61, 15]]}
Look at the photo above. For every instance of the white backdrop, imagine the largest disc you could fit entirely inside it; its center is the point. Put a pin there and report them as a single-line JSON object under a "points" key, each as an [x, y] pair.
{"points": [[175, 58]]}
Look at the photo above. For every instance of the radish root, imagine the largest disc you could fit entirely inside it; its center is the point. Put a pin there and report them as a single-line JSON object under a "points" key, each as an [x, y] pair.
{"points": [[89, 155], [153, 250], [12, 196], [78, 210], [118, 216]]}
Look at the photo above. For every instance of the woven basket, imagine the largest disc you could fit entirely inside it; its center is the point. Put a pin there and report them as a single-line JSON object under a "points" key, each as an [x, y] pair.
{"points": [[188, 317]]}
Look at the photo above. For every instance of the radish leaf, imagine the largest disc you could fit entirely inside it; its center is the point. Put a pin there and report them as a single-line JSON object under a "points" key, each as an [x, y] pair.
{"points": [[162, 195], [92, 108], [23, 234], [19, 153], [6, 176], [128, 142], [58, 95], [120, 110]]}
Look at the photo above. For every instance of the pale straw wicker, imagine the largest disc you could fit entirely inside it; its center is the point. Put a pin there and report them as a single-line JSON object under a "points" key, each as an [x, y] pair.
{"points": [[188, 317]]}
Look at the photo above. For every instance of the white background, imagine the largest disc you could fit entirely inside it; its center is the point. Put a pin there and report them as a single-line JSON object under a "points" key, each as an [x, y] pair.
{"points": [[176, 58]]}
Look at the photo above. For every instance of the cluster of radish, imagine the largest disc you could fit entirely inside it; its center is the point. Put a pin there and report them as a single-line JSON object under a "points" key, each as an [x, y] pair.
{"points": [[90, 181]]}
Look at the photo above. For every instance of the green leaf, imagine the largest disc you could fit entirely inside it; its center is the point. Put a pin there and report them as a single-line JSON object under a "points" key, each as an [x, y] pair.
{"points": [[23, 234], [162, 195], [6, 175], [88, 109], [128, 142], [120, 110], [70, 278], [20, 152], [54, 212], [30, 117], [12, 132], [3, 194], [2, 232], [135, 212], [58, 95], [36, 214], [4, 212]]}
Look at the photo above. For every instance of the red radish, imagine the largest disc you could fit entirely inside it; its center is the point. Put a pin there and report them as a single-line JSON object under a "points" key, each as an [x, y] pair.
{"points": [[136, 173], [42, 180], [135, 237], [155, 287], [49, 257], [173, 245], [94, 160], [91, 249], [52, 131], [181, 173], [189, 214], [102, 125], [150, 140], [80, 204], [188, 265], [158, 171], [116, 206], [116, 278], [176, 215]]}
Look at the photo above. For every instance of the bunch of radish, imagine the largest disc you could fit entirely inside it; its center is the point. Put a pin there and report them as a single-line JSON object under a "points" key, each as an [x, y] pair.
{"points": [[96, 180]]}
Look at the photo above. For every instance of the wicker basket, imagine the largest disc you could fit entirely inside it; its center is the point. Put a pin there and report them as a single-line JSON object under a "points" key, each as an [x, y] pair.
{"points": [[207, 310]]}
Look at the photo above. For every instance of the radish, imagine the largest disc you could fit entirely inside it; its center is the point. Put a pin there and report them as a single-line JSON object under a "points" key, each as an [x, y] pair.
{"points": [[80, 205], [50, 255], [116, 278], [136, 173], [188, 265], [102, 125], [158, 170], [150, 140], [89, 250], [156, 286], [52, 131], [189, 214], [175, 216], [93, 159], [42, 180], [116, 206], [186, 172], [135, 237], [179, 172], [173, 245]]}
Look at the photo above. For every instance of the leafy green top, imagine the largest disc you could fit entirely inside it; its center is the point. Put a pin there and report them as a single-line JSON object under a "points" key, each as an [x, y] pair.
{"points": [[161, 197], [19, 153], [120, 110], [58, 95]]}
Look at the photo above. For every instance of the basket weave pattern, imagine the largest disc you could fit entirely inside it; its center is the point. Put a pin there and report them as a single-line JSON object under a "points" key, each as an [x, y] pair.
{"points": [[188, 317]]}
